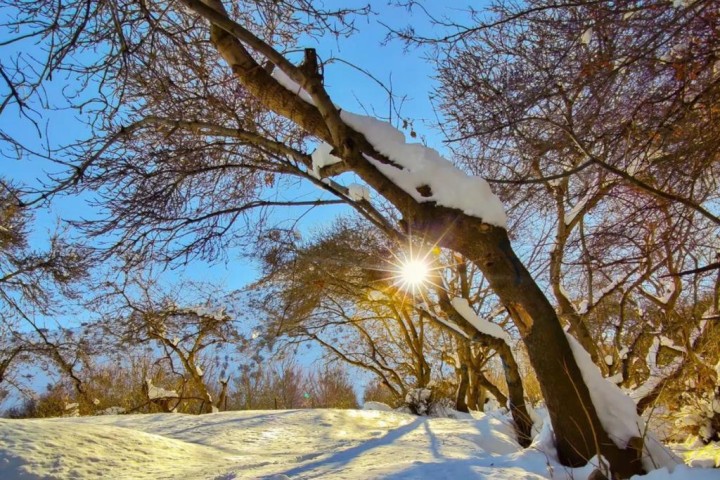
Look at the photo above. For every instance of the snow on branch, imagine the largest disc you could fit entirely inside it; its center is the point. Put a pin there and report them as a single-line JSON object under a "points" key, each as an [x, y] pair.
{"points": [[287, 82], [156, 393], [424, 174], [462, 306], [617, 412]]}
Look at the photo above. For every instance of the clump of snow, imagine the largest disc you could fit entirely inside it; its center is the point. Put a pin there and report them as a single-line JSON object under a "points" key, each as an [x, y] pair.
{"points": [[357, 192], [628, 15], [544, 440], [155, 393], [419, 401], [698, 417], [419, 167], [668, 291], [379, 406], [609, 360], [586, 37], [657, 374], [322, 157], [617, 412], [208, 312], [570, 216], [582, 309], [72, 410], [462, 306], [682, 3]]}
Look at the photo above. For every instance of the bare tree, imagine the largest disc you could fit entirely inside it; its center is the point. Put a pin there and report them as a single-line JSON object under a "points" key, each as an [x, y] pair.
{"points": [[185, 332], [229, 134]]}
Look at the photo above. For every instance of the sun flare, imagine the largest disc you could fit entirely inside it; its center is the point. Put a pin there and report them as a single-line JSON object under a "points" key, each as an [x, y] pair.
{"points": [[414, 272]]}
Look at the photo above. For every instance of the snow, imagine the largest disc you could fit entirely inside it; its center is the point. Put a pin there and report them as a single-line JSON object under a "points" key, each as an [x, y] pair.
{"points": [[570, 216], [418, 166], [158, 392], [357, 192], [112, 411], [322, 157], [207, 312], [291, 85], [586, 37], [582, 309], [668, 291], [628, 15], [379, 406], [462, 306], [343, 444], [657, 374], [617, 412], [448, 324]]}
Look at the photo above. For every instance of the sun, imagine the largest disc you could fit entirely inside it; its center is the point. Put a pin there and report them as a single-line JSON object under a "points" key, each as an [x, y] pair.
{"points": [[414, 272]]}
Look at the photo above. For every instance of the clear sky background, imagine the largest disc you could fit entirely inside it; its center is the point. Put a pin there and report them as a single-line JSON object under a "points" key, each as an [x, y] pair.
{"points": [[408, 72]]}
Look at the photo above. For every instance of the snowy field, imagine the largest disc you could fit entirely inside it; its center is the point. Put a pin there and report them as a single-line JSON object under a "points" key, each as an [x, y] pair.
{"points": [[297, 444]]}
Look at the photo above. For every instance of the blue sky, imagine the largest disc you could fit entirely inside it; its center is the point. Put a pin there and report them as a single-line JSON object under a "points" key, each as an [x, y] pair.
{"points": [[409, 74]]}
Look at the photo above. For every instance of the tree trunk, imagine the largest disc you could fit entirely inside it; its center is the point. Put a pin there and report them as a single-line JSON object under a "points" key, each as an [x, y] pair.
{"points": [[516, 395], [578, 432], [462, 390]]}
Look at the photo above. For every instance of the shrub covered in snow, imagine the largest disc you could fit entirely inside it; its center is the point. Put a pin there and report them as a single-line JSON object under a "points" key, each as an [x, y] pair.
{"points": [[701, 417], [427, 402]]}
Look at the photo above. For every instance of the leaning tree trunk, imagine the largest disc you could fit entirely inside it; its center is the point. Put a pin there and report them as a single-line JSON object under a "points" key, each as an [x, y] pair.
{"points": [[578, 431]]}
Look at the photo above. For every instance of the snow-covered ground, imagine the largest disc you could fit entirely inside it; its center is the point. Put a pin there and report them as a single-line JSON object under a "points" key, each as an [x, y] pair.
{"points": [[297, 444]]}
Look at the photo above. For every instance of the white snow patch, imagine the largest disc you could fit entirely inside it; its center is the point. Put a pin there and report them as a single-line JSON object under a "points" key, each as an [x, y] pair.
{"points": [[322, 157], [159, 392], [112, 411], [617, 412], [357, 192], [570, 216], [291, 85], [419, 166], [379, 406], [348, 444], [582, 309], [481, 325]]}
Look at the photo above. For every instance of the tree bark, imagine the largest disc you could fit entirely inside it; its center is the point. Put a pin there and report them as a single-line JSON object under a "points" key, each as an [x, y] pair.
{"points": [[578, 432], [462, 390]]}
